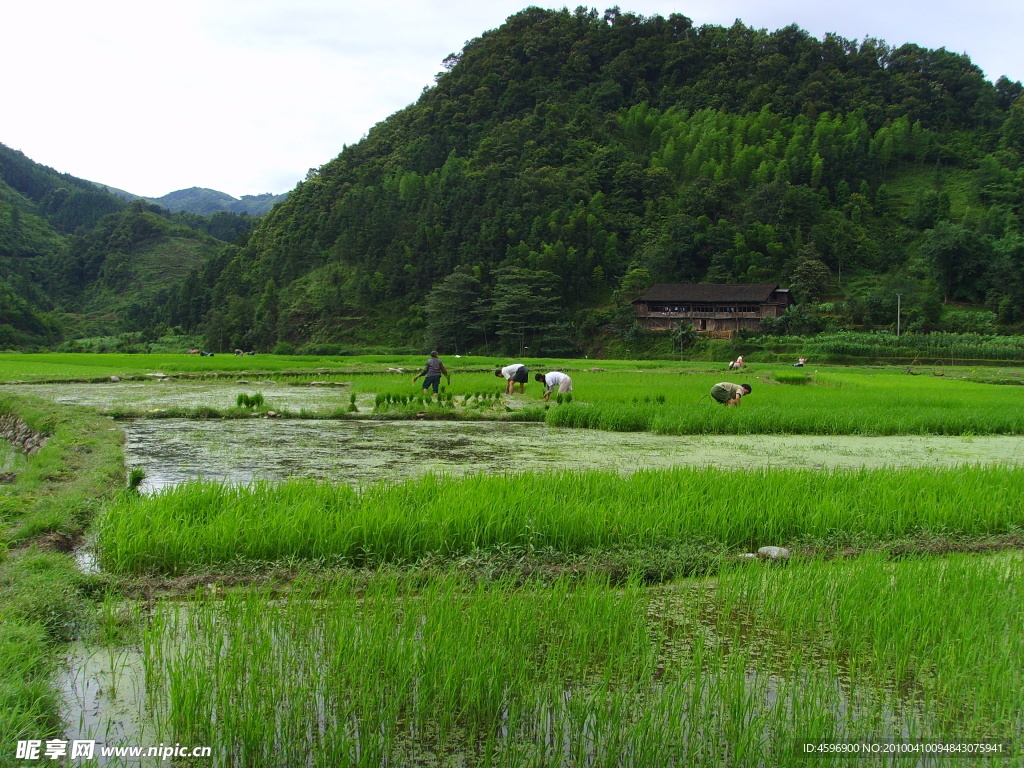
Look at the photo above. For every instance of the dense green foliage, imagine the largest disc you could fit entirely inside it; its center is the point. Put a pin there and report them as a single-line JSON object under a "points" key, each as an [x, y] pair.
{"points": [[203, 524], [600, 153], [76, 259]]}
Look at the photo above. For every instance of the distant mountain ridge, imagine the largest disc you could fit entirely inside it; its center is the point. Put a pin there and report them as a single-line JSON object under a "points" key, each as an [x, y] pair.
{"points": [[205, 202]]}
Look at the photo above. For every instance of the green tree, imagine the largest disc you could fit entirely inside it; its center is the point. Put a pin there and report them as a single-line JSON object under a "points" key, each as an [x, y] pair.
{"points": [[449, 311], [959, 257], [264, 328], [810, 277], [526, 311]]}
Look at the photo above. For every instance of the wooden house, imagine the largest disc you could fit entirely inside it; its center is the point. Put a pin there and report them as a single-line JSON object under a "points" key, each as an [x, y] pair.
{"points": [[719, 310]]}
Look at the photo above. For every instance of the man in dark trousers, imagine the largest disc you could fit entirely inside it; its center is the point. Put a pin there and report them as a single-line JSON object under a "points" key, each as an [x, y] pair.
{"points": [[433, 371], [517, 373]]}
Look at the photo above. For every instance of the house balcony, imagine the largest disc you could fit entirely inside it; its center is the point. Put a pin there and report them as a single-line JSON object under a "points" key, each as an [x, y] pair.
{"points": [[695, 315]]}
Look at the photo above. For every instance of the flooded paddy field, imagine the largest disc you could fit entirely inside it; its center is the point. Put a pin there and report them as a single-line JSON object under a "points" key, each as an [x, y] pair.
{"points": [[751, 664], [736, 668], [171, 451], [161, 394]]}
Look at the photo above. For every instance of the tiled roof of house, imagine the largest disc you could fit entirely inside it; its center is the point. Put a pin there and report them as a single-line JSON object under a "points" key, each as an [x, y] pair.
{"points": [[751, 293]]}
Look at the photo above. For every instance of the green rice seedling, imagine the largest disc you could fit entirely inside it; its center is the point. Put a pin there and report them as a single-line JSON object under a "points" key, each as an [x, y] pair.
{"points": [[251, 402], [743, 670], [455, 664], [135, 477], [786, 377], [202, 524], [890, 626]]}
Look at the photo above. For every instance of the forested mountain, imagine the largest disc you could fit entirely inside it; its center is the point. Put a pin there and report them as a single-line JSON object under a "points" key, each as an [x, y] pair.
{"points": [[39, 208], [566, 160], [74, 254]]}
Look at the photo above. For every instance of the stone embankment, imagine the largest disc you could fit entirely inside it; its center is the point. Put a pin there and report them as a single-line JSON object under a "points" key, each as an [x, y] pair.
{"points": [[20, 435]]}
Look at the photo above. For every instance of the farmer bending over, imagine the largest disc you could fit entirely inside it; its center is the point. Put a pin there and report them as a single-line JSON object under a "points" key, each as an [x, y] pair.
{"points": [[552, 380], [517, 373], [729, 394]]}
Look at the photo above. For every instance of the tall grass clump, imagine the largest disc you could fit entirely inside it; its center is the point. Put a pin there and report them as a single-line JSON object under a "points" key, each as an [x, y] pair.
{"points": [[202, 523]]}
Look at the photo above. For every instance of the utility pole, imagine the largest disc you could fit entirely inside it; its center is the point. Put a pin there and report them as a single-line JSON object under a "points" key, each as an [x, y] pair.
{"points": [[898, 295]]}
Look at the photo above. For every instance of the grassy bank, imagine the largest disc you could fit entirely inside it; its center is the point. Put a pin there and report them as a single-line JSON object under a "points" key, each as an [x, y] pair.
{"points": [[44, 599]]}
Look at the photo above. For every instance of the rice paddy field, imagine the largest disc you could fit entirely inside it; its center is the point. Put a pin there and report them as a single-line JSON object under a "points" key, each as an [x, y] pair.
{"points": [[576, 616]]}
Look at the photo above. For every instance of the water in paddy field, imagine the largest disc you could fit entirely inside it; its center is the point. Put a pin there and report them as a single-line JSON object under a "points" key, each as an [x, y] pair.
{"points": [[103, 692], [361, 452], [183, 393], [171, 451]]}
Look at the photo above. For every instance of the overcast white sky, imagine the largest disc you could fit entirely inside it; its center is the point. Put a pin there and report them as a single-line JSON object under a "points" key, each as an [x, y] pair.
{"points": [[244, 96]]}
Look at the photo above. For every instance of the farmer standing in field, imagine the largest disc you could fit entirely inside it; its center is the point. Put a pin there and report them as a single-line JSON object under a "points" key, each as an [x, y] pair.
{"points": [[729, 394], [552, 380], [433, 371], [517, 373]]}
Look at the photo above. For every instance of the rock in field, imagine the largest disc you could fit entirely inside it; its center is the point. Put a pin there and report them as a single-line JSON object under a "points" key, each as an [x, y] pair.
{"points": [[774, 553]]}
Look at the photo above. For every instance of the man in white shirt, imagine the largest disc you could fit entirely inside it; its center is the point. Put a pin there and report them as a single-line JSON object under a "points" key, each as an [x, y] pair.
{"points": [[517, 373], [552, 380]]}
